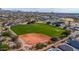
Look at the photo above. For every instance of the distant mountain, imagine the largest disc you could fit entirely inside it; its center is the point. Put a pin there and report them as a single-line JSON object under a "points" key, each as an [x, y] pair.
{"points": [[8, 11], [46, 13], [1, 10]]}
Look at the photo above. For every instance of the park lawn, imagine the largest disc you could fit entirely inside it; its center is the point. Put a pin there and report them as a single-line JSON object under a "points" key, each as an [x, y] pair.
{"points": [[37, 28]]}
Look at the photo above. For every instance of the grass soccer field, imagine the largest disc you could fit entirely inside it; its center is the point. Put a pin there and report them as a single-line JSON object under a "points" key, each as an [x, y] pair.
{"points": [[37, 28]]}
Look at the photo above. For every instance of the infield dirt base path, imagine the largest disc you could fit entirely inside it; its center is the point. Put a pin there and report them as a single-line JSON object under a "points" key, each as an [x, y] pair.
{"points": [[34, 38]]}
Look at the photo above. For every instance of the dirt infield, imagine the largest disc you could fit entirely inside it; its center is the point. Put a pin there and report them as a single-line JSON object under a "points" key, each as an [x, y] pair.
{"points": [[34, 38]]}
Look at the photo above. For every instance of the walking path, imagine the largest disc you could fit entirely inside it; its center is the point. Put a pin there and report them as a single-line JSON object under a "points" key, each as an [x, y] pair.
{"points": [[49, 46], [12, 31], [56, 44]]}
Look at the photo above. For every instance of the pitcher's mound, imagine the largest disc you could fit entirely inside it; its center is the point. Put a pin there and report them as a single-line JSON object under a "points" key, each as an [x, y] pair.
{"points": [[34, 38]]}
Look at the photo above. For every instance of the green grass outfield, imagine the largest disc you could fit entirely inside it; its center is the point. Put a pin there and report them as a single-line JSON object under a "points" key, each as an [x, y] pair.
{"points": [[37, 28]]}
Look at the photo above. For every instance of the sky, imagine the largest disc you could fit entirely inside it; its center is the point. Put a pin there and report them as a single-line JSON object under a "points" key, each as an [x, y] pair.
{"points": [[57, 10]]}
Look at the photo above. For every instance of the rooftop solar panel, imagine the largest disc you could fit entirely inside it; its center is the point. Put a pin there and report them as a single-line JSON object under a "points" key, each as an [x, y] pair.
{"points": [[65, 48], [74, 43]]}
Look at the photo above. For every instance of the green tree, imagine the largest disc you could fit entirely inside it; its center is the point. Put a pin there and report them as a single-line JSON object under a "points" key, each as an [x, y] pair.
{"points": [[3, 47], [66, 33], [6, 34]]}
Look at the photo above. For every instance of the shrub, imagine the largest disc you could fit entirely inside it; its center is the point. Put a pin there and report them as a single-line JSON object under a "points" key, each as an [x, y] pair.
{"points": [[65, 27], [32, 22], [54, 39], [48, 22], [14, 38], [62, 36], [50, 42], [40, 45]]}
